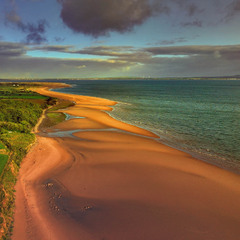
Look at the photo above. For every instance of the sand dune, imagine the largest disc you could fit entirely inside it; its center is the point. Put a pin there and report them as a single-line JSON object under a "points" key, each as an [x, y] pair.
{"points": [[107, 180]]}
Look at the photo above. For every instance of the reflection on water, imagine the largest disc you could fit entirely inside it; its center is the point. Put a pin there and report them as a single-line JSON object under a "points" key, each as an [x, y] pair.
{"points": [[68, 116]]}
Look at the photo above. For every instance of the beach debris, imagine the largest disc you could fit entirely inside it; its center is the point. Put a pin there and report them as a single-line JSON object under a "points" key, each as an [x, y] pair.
{"points": [[87, 207], [49, 185]]}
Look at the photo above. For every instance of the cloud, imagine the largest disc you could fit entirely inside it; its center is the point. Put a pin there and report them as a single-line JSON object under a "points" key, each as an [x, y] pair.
{"points": [[34, 31], [54, 48], [224, 51], [96, 50], [195, 23], [164, 61], [150, 55], [15, 63], [172, 42], [123, 53], [189, 7], [12, 17], [232, 10], [59, 39], [195, 66], [55, 68], [81, 66], [114, 51], [192, 9], [99, 17], [11, 49], [132, 54]]}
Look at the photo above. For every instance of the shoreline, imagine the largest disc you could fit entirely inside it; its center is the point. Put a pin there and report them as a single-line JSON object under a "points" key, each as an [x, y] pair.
{"points": [[214, 159], [115, 185]]}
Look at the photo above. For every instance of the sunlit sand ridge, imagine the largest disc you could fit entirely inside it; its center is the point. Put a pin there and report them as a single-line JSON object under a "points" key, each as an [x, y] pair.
{"points": [[110, 180]]}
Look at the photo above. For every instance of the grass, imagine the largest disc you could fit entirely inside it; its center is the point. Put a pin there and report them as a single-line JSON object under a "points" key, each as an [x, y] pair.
{"points": [[18, 92], [62, 104], [22, 97], [3, 161], [54, 118], [2, 146]]}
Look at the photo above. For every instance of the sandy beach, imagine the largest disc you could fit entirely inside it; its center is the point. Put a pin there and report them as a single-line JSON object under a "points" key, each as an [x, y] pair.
{"points": [[96, 178]]}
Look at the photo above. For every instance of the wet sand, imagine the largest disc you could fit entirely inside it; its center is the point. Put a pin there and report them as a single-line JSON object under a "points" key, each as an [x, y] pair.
{"points": [[107, 180]]}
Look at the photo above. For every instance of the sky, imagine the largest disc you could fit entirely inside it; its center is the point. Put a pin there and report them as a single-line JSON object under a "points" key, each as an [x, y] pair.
{"points": [[119, 38]]}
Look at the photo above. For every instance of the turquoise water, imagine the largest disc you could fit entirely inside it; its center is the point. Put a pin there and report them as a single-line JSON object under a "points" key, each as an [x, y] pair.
{"points": [[200, 117]]}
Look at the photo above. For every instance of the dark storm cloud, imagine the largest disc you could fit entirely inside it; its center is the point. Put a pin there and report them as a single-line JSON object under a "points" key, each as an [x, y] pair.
{"points": [[99, 17], [11, 49], [34, 31]]}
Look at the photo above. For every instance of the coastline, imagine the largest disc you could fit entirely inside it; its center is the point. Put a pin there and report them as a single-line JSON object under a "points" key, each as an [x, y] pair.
{"points": [[186, 122], [112, 184]]}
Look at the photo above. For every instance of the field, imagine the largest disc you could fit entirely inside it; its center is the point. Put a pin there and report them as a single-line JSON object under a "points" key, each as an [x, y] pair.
{"points": [[12, 91]]}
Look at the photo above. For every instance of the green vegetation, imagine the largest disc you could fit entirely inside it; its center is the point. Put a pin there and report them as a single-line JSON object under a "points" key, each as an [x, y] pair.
{"points": [[3, 157], [53, 117], [20, 111], [18, 91], [18, 143], [3, 161], [61, 105]]}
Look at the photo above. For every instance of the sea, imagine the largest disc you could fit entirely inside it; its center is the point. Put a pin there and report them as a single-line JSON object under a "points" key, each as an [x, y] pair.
{"points": [[201, 117]]}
